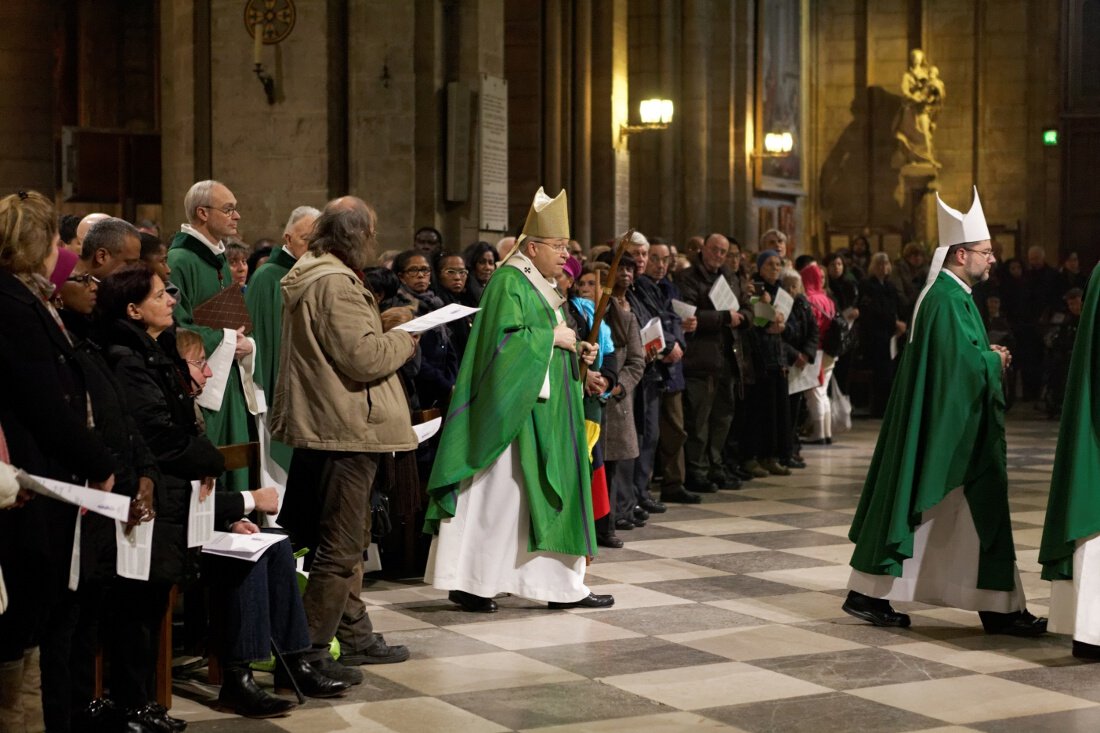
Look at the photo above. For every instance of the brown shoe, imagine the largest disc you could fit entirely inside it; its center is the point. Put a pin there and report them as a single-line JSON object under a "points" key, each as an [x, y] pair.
{"points": [[773, 467]]}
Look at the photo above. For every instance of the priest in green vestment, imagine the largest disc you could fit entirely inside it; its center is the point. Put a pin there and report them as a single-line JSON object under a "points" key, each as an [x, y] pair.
{"points": [[200, 271], [1070, 552], [510, 501], [933, 521], [264, 298]]}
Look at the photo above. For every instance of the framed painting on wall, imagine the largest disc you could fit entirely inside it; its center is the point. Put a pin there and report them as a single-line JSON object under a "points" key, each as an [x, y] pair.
{"points": [[781, 95]]}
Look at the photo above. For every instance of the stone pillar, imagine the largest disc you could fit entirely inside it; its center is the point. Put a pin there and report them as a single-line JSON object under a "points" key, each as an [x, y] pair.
{"points": [[693, 120], [581, 196]]}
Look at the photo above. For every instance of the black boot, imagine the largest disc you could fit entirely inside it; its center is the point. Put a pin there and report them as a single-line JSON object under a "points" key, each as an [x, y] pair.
{"points": [[310, 680], [241, 695]]}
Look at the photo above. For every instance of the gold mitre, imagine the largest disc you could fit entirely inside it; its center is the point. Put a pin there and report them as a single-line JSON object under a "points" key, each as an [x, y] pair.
{"points": [[547, 219]]}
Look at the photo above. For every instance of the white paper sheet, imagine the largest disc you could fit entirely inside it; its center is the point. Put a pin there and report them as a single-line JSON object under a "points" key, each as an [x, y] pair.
{"points": [[200, 517], [100, 502], [721, 295], [762, 313], [3, 593], [893, 347], [74, 561], [135, 553], [446, 314], [682, 309], [373, 563], [653, 335], [800, 379], [247, 547], [783, 303], [426, 430]]}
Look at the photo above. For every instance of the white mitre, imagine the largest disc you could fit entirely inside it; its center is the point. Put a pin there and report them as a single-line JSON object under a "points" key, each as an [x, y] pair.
{"points": [[954, 228]]}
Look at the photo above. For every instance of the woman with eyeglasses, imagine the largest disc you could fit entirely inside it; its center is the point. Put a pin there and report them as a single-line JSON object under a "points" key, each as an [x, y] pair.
{"points": [[450, 285], [438, 357], [135, 314]]}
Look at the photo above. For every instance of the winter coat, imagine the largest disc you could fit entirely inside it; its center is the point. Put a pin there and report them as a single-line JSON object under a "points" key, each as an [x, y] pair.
{"points": [[620, 436], [712, 346], [337, 388]]}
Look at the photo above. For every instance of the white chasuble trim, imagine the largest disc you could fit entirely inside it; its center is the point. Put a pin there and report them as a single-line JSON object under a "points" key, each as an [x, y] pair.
{"points": [[1075, 604]]}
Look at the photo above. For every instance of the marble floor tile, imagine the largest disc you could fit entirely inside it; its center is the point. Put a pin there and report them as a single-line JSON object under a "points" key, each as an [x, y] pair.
{"points": [[825, 577], [383, 595], [560, 704], [722, 587], [972, 699], [1077, 679], [695, 617], [857, 668], [761, 642], [789, 608], [680, 547], [713, 685], [630, 596], [723, 525], [660, 723], [623, 656], [827, 713], [750, 562], [839, 554], [758, 508], [468, 673], [975, 661], [436, 642], [556, 628], [386, 620], [420, 714], [652, 570], [781, 493], [1086, 720], [784, 540]]}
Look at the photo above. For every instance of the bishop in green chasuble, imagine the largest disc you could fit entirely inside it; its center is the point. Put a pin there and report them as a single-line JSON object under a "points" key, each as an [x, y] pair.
{"points": [[1070, 552], [933, 522], [510, 501]]}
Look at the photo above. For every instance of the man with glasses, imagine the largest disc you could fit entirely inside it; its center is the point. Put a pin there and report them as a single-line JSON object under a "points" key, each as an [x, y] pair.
{"points": [[510, 496], [933, 523], [200, 271]]}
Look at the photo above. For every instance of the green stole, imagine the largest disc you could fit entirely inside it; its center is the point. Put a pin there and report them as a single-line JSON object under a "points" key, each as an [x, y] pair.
{"points": [[1073, 508], [496, 403], [264, 299], [944, 428]]}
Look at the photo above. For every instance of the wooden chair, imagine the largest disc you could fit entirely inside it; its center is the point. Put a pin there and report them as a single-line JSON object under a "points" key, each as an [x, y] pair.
{"points": [[237, 456]]}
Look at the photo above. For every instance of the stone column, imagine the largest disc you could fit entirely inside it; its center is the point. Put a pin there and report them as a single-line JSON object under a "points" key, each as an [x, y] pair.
{"points": [[693, 120], [26, 104], [581, 195]]}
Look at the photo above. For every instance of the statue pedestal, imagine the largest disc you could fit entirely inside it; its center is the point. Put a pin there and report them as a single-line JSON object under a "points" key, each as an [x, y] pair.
{"points": [[917, 186]]}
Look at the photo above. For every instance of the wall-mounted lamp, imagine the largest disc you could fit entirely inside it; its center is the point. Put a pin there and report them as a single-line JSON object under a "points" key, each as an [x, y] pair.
{"points": [[777, 144], [267, 22], [656, 114]]}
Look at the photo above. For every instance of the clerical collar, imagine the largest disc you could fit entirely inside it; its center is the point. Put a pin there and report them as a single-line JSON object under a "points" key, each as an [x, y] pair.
{"points": [[216, 247], [958, 279], [545, 287]]}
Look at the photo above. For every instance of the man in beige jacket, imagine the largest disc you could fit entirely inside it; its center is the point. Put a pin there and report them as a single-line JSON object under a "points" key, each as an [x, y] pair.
{"points": [[339, 404]]}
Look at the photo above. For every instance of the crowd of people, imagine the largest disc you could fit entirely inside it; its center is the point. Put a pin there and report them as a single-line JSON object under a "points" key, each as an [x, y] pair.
{"points": [[711, 366]]}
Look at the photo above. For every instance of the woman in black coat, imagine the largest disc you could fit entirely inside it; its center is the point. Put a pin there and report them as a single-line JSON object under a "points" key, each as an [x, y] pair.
{"points": [[45, 414], [879, 321]]}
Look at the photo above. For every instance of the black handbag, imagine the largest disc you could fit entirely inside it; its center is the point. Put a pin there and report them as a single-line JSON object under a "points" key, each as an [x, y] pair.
{"points": [[380, 522], [840, 337]]}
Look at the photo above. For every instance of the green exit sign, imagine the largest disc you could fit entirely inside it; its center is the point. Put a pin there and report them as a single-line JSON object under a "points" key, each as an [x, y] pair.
{"points": [[1050, 137]]}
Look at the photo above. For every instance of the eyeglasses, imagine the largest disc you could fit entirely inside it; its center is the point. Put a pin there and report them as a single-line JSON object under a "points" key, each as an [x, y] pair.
{"points": [[86, 279], [987, 253], [228, 210], [562, 249], [199, 364], [417, 271], [454, 271]]}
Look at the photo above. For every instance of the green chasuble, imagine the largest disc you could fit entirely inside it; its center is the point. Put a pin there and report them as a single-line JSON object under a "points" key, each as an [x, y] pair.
{"points": [[195, 271], [264, 299], [944, 428], [496, 403], [1073, 508]]}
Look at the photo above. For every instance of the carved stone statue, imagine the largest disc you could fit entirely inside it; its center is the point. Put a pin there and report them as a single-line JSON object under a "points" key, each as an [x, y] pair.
{"points": [[923, 93]]}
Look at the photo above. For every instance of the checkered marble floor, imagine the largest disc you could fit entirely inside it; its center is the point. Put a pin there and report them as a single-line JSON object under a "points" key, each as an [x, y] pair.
{"points": [[727, 618]]}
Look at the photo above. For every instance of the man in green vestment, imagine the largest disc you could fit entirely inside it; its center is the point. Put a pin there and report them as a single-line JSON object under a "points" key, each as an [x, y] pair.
{"points": [[1070, 552], [264, 299], [510, 501], [200, 271], [933, 522]]}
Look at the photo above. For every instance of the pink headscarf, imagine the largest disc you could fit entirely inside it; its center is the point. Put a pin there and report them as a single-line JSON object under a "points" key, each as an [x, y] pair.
{"points": [[813, 279], [66, 261]]}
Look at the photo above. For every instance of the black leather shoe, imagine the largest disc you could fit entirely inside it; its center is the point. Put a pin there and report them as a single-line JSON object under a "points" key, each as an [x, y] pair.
{"points": [[679, 495], [877, 611], [639, 515], [102, 714], [241, 696], [727, 481], [311, 681], [740, 473], [622, 523], [700, 486], [653, 507], [590, 601], [1082, 650], [472, 603], [609, 540], [342, 671], [794, 462], [1017, 623]]}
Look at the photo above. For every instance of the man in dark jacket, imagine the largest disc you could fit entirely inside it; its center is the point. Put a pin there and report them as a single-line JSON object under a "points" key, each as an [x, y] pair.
{"points": [[710, 369], [671, 433]]}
